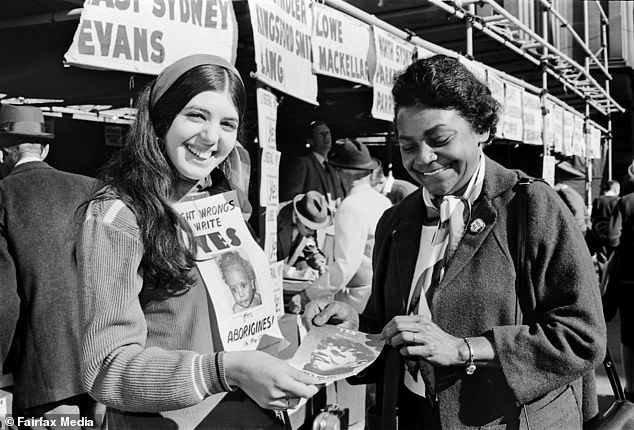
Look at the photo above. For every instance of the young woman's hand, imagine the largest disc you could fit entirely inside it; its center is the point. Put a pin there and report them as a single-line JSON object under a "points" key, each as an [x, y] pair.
{"points": [[269, 381], [320, 312]]}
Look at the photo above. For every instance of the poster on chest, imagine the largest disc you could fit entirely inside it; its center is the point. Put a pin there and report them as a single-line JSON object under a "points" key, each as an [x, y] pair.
{"points": [[143, 36], [234, 269]]}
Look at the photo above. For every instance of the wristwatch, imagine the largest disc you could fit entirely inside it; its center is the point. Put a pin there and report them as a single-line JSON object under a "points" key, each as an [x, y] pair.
{"points": [[470, 364]]}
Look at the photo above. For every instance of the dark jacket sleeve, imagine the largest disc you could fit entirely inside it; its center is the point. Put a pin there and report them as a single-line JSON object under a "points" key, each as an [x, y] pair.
{"points": [[9, 299], [294, 179], [564, 333]]}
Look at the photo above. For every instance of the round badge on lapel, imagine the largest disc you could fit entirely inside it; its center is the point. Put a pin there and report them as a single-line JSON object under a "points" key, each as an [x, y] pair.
{"points": [[476, 226]]}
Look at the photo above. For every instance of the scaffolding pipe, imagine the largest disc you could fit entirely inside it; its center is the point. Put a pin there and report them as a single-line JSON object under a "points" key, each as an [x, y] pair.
{"points": [[519, 51], [546, 5], [545, 144], [604, 17], [469, 31], [573, 63], [606, 59], [588, 158]]}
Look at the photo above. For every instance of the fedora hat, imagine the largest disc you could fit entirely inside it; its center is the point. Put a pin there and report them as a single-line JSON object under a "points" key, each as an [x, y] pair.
{"points": [[21, 124], [353, 155], [312, 210]]}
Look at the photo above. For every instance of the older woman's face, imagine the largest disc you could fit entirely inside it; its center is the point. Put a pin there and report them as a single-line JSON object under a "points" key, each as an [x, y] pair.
{"points": [[202, 134], [439, 148]]}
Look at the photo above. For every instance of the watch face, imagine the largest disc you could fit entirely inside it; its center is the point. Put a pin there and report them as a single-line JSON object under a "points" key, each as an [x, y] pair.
{"points": [[471, 369]]}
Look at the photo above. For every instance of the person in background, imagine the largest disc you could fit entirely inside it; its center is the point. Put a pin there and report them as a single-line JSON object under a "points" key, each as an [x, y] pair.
{"points": [[460, 354], [311, 172], [600, 242], [619, 282], [574, 202], [297, 224], [394, 189], [350, 275], [39, 306], [151, 348]]}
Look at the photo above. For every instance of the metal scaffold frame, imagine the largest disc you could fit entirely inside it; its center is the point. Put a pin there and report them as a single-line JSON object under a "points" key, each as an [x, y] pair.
{"points": [[511, 32]]}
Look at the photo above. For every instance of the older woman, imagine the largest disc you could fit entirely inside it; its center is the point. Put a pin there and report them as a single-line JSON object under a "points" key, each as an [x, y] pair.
{"points": [[444, 294]]}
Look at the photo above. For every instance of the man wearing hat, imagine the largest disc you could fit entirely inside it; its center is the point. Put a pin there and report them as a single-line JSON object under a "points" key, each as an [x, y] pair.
{"points": [[297, 225], [355, 222], [312, 172], [40, 337]]}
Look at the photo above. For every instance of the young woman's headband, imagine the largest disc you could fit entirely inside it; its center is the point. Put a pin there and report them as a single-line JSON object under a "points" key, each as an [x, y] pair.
{"points": [[171, 73]]}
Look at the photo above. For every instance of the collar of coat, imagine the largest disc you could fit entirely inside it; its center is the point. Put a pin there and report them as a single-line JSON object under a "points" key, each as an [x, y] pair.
{"points": [[411, 214]]}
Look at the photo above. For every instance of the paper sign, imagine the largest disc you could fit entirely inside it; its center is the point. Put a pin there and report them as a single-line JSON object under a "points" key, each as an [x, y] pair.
{"points": [[142, 36], [234, 269], [270, 238], [578, 137], [595, 142], [393, 55], [341, 45], [282, 39], [549, 134], [548, 169], [267, 118], [532, 115], [513, 120], [330, 353], [496, 85], [269, 179], [277, 274], [558, 128], [423, 52], [569, 125]]}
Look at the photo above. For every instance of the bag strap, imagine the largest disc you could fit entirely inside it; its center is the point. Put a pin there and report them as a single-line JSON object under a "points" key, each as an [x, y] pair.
{"points": [[613, 376], [520, 250]]}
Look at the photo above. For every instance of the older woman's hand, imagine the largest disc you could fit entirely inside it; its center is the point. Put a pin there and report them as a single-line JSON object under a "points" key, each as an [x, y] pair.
{"points": [[417, 337]]}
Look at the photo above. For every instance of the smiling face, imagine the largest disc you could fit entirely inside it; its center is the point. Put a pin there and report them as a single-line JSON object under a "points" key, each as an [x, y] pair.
{"points": [[242, 288], [439, 148], [202, 134]]}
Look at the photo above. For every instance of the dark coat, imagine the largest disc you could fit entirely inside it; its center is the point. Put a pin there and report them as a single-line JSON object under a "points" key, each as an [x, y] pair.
{"points": [[306, 173], [38, 281], [622, 227], [285, 231], [564, 336]]}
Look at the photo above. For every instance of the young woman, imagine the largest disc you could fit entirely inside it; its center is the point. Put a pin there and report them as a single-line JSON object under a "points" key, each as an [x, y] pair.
{"points": [[151, 351]]}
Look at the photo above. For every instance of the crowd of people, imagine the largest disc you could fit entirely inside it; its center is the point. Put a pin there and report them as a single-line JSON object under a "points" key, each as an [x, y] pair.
{"points": [[105, 270]]}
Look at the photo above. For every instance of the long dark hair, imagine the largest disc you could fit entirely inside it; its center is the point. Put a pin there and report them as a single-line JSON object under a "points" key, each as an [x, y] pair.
{"points": [[143, 177], [442, 82]]}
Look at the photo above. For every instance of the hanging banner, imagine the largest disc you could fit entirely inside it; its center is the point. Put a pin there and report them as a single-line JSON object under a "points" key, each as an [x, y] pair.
{"points": [[532, 116], [270, 238], [513, 121], [234, 269], [277, 275], [496, 85], [569, 124], [269, 179], [267, 118], [595, 142], [282, 39], [423, 52], [558, 128], [548, 169], [578, 137], [341, 45], [478, 70], [548, 124], [393, 55], [144, 37]]}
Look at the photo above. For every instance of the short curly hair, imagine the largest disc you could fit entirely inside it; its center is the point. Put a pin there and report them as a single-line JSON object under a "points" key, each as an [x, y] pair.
{"points": [[442, 82]]}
